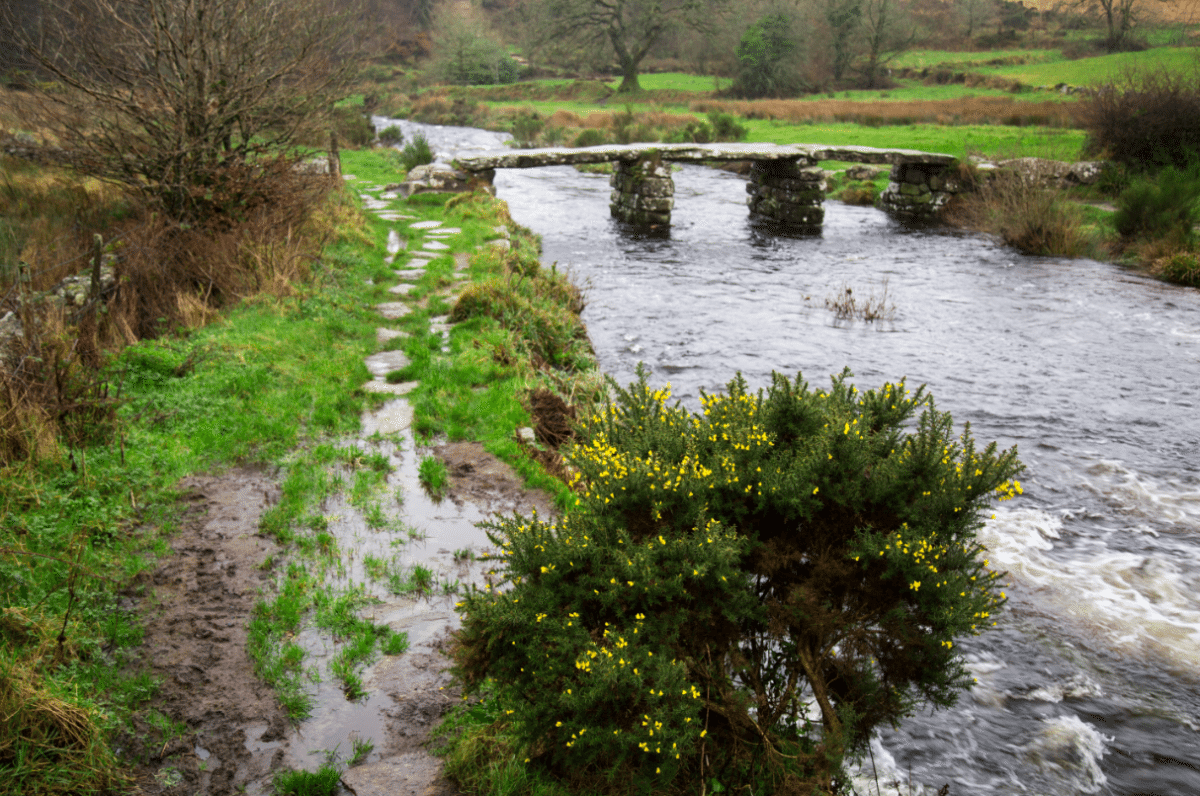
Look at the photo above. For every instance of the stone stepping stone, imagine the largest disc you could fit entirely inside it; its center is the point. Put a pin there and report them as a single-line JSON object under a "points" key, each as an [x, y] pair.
{"points": [[383, 363], [388, 216], [392, 417], [393, 310], [383, 335], [394, 243], [424, 255], [462, 261], [445, 231], [425, 225], [410, 274], [389, 195], [434, 245], [383, 388], [500, 243], [402, 289]]}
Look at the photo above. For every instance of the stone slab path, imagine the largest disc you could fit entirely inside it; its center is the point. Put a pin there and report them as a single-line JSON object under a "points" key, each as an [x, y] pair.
{"points": [[412, 771]]}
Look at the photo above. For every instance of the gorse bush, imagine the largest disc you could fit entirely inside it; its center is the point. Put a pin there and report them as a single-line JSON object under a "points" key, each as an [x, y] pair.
{"points": [[416, 152], [1166, 206], [740, 595]]}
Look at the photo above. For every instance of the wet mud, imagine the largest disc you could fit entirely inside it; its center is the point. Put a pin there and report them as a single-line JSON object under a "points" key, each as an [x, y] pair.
{"points": [[198, 605], [214, 728]]}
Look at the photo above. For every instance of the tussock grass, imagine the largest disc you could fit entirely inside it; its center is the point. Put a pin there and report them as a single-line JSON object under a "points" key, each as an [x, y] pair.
{"points": [[1028, 217]]}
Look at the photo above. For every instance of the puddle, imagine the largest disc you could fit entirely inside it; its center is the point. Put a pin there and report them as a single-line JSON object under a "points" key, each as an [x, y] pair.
{"points": [[406, 693]]}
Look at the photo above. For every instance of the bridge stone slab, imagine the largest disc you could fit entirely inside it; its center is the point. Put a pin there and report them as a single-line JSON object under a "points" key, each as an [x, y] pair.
{"points": [[784, 185], [808, 154]]}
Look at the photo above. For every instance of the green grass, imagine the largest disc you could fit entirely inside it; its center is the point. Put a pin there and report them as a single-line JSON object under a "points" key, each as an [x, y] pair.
{"points": [[325, 781], [675, 81], [992, 140], [1099, 70], [962, 61]]}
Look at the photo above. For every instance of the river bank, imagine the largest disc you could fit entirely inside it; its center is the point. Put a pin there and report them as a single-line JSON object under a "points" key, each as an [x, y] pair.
{"points": [[270, 494]]}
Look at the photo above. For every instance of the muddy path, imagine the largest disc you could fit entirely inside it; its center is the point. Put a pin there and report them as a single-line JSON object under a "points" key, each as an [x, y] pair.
{"points": [[214, 727]]}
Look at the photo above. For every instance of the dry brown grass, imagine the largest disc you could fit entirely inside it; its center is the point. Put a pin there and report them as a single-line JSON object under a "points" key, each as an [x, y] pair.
{"points": [[169, 276], [1026, 216], [968, 110]]}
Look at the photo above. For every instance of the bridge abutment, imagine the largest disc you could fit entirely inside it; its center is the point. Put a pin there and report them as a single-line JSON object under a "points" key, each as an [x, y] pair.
{"points": [[643, 191], [789, 192]]}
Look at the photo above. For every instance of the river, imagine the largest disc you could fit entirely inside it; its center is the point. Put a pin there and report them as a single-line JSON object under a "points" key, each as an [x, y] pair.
{"points": [[1091, 681]]}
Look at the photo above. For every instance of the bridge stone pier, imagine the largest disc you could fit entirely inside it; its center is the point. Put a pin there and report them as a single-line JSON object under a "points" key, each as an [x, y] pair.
{"points": [[786, 185]]}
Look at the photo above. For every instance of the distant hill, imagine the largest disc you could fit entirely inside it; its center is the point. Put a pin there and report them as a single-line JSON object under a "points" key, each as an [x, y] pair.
{"points": [[1176, 11]]}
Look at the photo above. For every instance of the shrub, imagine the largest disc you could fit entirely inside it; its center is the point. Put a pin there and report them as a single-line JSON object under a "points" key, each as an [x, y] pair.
{"points": [[743, 593], [416, 152], [725, 127], [590, 137], [526, 128], [391, 135], [1161, 207], [1150, 119], [1182, 269]]}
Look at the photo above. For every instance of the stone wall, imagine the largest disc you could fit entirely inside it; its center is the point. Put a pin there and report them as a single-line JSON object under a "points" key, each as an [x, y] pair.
{"points": [[643, 191], [788, 192]]}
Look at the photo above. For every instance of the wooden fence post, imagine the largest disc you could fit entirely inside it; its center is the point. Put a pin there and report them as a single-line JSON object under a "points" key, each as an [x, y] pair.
{"points": [[335, 160]]}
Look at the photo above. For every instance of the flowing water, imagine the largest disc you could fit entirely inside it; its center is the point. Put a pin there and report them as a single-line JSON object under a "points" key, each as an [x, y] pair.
{"points": [[1090, 683]]}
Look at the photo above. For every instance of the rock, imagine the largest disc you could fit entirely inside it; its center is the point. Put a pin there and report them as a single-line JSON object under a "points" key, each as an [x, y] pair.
{"points": [[864, 173], [317, 165], [412, 774], [526, 436], [432, 178]]}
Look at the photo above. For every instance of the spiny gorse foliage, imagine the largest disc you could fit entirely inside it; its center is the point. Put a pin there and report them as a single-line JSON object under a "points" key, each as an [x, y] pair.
{"points": [[742, 593]]}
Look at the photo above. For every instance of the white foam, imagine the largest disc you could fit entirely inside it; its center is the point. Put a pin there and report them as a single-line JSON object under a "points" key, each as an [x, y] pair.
{"points": [[1140, 604], [1135, 492], [1067, 753], [878, 774]]}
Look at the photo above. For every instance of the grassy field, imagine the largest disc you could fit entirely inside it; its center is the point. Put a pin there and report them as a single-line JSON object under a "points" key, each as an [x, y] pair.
{"points": [[1101, 69], [992, 141]]}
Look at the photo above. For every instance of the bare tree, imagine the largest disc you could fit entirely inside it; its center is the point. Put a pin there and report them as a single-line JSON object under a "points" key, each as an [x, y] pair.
{"points": [[183, 99], [1119, 16], [631, 27], [886, 34]]}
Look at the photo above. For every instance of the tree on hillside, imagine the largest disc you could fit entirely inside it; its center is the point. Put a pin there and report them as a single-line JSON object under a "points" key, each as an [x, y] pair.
{"points": [[630, 27], [975, 13], [1119, 17], [885, 35], [843, 18], [768, 56], [185, 100], [466, 53]]}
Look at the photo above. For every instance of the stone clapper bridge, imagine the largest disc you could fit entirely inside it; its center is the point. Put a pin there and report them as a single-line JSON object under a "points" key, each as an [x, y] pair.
{"points": [[785, 187]]}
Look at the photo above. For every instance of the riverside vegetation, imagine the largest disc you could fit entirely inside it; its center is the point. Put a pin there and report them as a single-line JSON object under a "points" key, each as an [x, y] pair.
{"points": [[94, 445], [255, 311], [736, 599]]}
